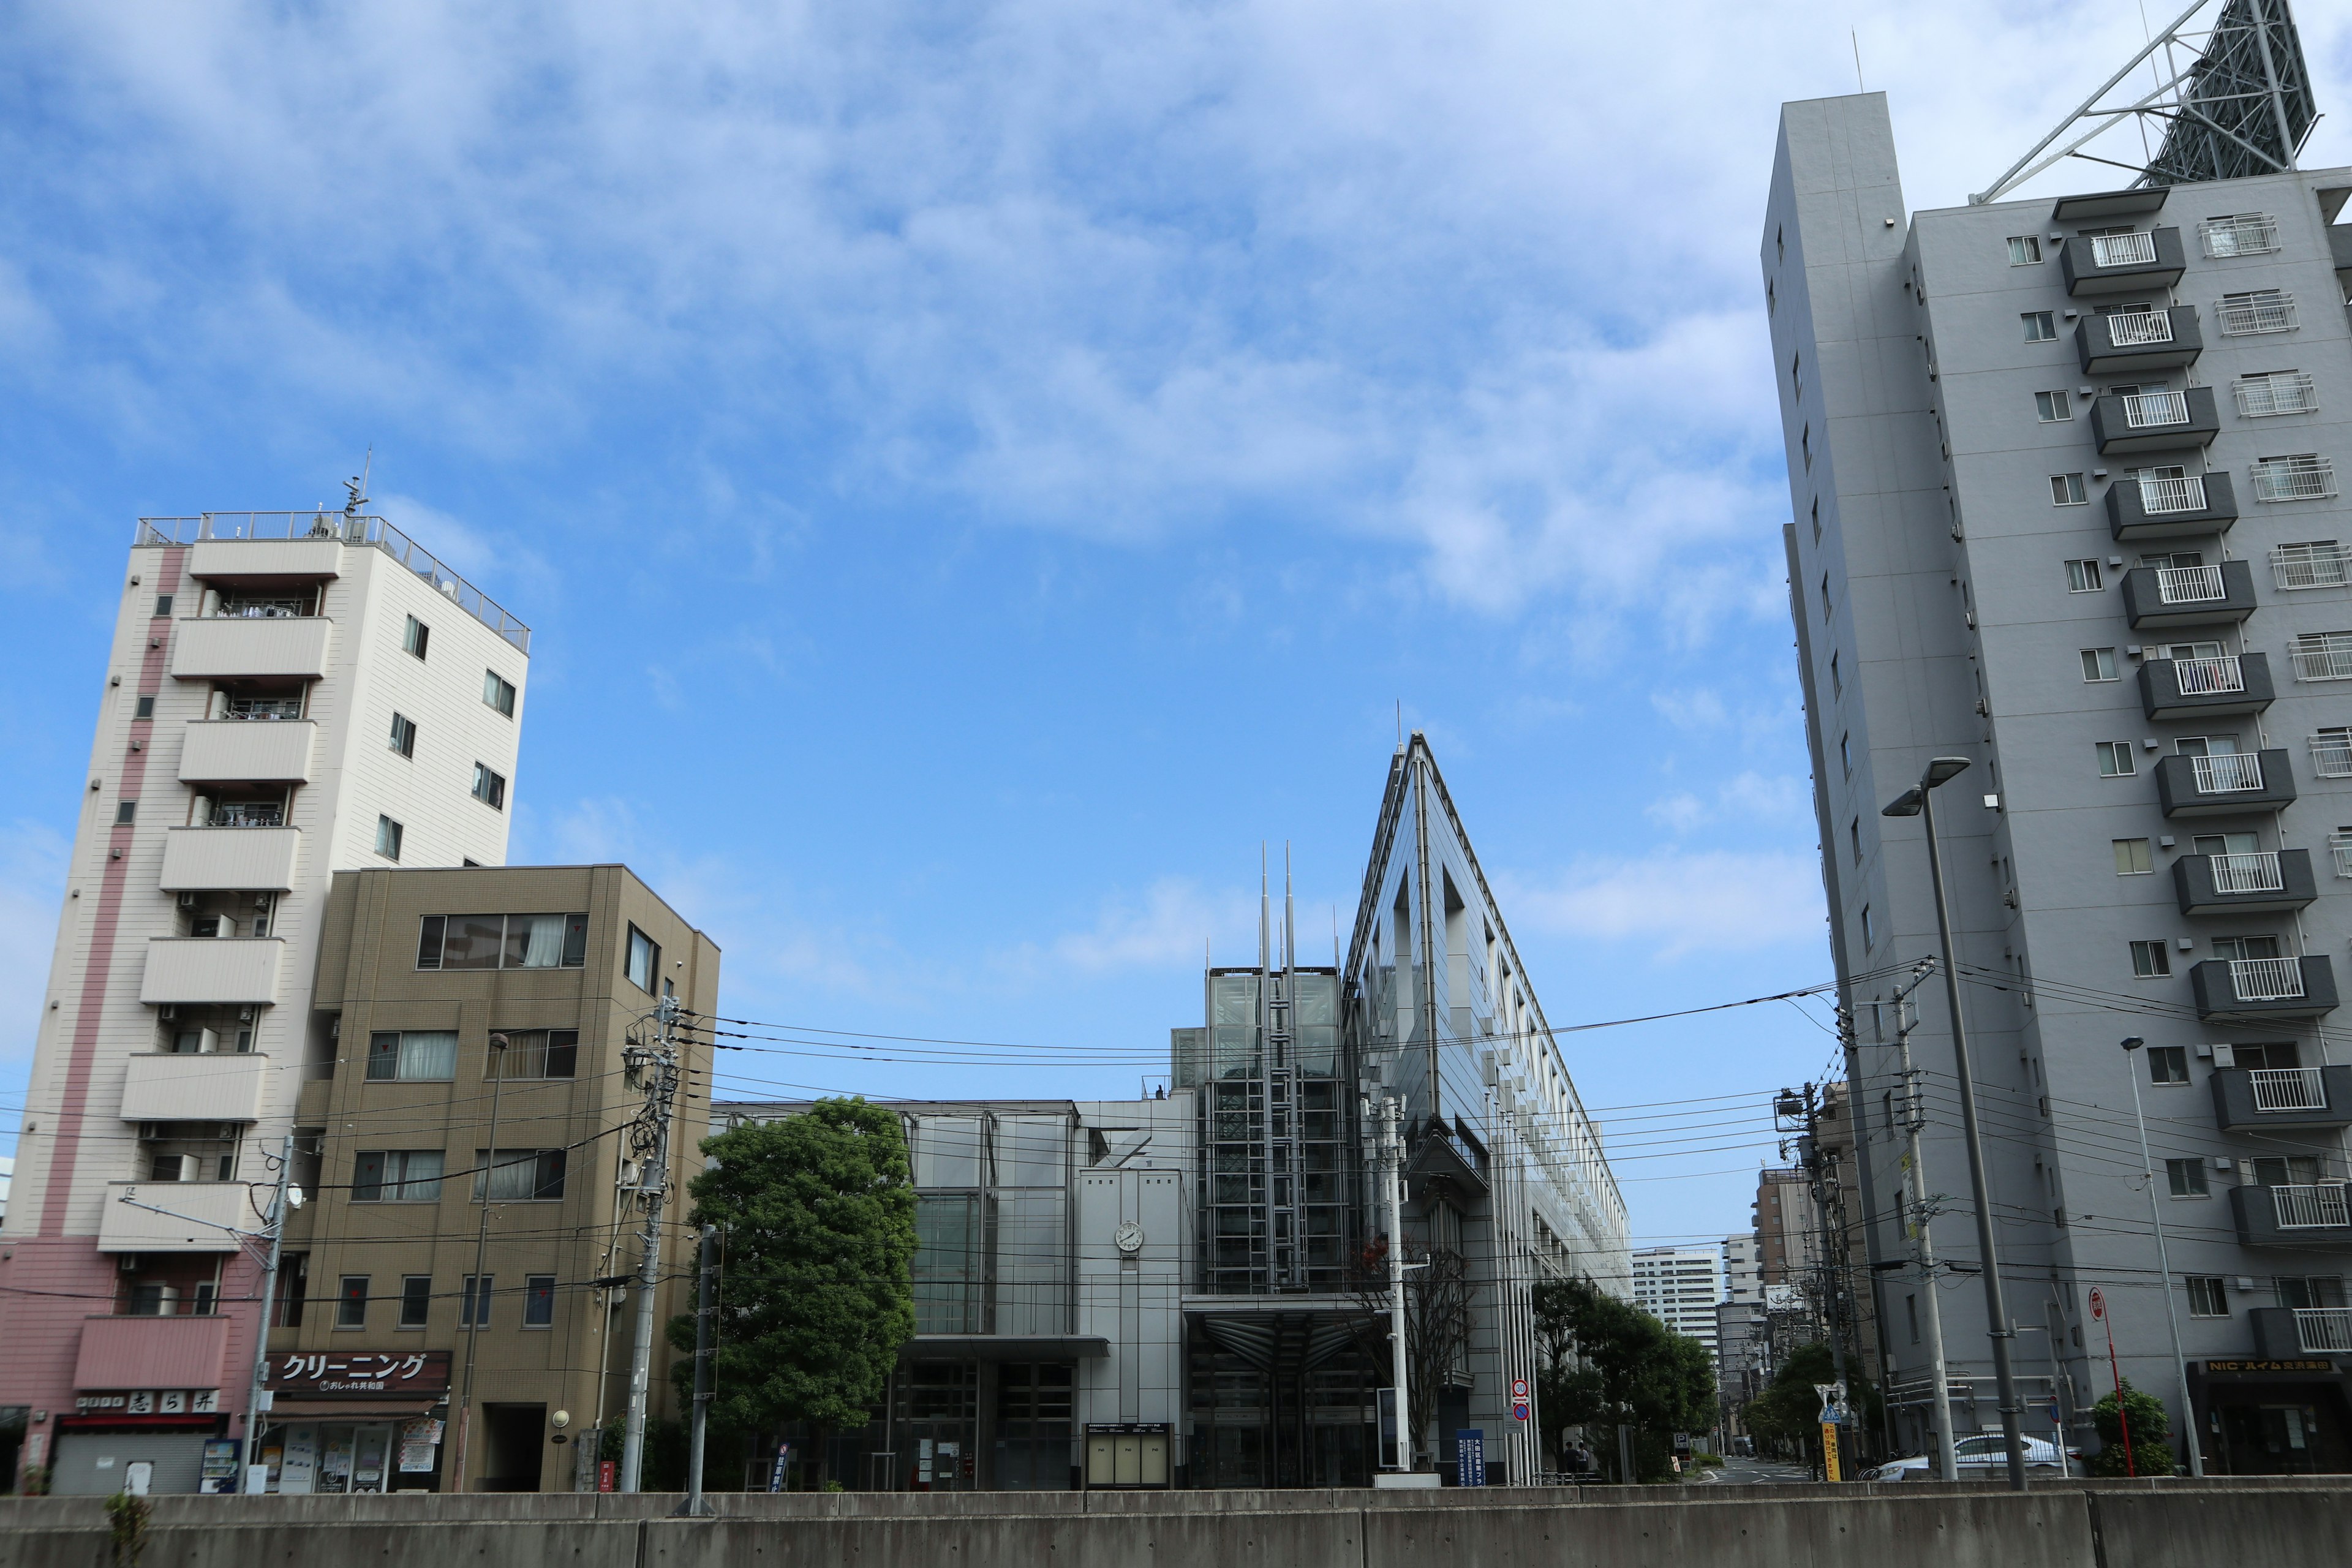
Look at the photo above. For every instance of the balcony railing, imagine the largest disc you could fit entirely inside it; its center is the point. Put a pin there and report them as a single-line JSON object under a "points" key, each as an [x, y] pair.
{"points": [[2255, 233], [2269, 312], [2256, 873], [2207, 677], [2189, 584], [264, 707], [2319, 564], [2137, 327], [2326, 656], [2260, 396], [246, 813], [2266, 979], [2144, 409], [260, 609], [2310, 1208], [2339, 845], [2183, 493], [2288, 1089], [2331, 755], [2306, 477], [2123, 250], [2324, 1330]]}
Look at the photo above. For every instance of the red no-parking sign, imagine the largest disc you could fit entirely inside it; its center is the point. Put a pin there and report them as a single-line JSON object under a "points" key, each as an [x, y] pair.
{"points": [[1522, 1404], [2098, 1304]]}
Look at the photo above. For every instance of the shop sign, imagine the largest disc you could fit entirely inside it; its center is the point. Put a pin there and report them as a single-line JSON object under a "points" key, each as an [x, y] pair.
{"points": [[2229, 1366], [152, 1402], [363, 1374]]}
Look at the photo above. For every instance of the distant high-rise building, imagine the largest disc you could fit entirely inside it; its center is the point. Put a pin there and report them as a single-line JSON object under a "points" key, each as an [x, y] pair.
{"points": [[1743, 1276], [1681, 1286]]}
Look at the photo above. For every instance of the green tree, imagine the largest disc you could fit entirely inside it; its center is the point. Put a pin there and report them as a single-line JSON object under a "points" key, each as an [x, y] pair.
{"points": [[817, 1292], [2151, 1455], [1604, 1355], [1789, 1411]]}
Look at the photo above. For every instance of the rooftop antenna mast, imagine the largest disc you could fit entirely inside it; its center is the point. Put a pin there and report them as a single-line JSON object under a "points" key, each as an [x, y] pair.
{"points": [[358, 483]]}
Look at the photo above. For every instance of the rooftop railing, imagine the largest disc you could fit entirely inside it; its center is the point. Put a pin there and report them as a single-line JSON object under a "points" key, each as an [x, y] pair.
{"points": [[2288, 1089], [350, 530], [2266, 979]]}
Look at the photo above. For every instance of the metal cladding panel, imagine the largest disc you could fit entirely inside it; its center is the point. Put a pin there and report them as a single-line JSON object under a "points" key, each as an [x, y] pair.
{"points": [[211, 969], [231, 859], [202, 1214], [151, 1352], [218, 1086], [228, 648], [265, 558], [260, 750]]}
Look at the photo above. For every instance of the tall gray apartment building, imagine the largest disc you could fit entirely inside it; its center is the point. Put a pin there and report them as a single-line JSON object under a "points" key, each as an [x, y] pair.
{"points": [[2063, 473]]}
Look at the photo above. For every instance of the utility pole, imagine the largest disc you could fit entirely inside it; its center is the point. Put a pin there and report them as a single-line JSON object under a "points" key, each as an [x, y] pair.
{"points": [[656, 1067], [288, 1197], [1391, 1169], [706, 1288], [2163, 1264], [1789, 1104], [476, 1297], [1917, 1222]]}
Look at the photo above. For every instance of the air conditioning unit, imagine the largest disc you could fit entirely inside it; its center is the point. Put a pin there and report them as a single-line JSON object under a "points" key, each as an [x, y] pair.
{"points": [[187, 900], [168, 1011], [128, 1262]]}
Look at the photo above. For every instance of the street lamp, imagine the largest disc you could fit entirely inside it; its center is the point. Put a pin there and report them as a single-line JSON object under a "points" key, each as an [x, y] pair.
{"points": [[1920, 800], [2164, 1263]]}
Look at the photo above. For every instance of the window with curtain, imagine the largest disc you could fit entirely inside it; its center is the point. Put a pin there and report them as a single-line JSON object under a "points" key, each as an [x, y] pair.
{"points": [[541, 1053], [411, 1056], [397, 1176], [519, 1175], [502, 941]]}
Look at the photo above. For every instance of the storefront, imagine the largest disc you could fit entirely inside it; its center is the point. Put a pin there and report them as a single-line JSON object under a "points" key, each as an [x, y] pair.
{"points": [[2273, 1417], [149, 1440], [356, 1422]]}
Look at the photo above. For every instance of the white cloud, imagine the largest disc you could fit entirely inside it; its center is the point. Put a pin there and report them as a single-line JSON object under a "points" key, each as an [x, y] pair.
{"points": [[1171, 927], [1678, 903], [33, 859]]}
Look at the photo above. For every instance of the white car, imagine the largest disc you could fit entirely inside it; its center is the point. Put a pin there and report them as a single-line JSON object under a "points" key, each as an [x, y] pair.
{"points": [[1984, 1457]]}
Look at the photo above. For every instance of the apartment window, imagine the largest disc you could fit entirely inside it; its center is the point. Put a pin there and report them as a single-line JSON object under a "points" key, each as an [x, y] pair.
{"points": [[519, 1175], [415, 1300], [2132, 857], [415, 636], [388, 835], [293, 1289], [2054, 407], [645, 960], [350, 1302], [1869, 933], [411, 1056], [397, 1176], [541, 1053], [2150, 960], [2255, 311], [2239, 233], [2268, 393], [403, 735], [2186, 1177], [2312, 563], [539, 1300], [502, 941], [489, 788], [1855, 830], [125, 812], [2167, 1064], [1825, 598], [1805, 444], [1817, 519], [2300, 476], [146, 708], [1837, 680], [1797, 373], [162, 605], [2209, 1295], [2081, 576], [2323, 655], [1771, 300], [2040, 327], [2331, 751], [2066, 489], [474, 1300], [2115, 760], [1845, 753], [2099, 664], [499, 692], [2025, 250]]}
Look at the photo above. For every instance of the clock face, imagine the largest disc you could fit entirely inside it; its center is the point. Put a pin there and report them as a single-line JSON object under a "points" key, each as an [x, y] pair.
{"points": [[1128, 1237]]}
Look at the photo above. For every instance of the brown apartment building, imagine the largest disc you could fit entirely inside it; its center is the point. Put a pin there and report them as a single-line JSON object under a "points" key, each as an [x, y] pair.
{"points": [[419, 972]]}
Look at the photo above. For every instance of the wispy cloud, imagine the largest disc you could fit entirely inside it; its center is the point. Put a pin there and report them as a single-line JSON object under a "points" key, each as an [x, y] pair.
{"points": [[1676, 903]]}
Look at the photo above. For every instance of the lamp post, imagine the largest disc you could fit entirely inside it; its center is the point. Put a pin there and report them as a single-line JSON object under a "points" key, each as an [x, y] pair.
{"points": [[1920, 800], [2164, 1265]]}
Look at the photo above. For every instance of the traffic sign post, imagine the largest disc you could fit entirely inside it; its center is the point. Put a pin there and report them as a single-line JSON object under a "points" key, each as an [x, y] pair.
{"points": [[1522, 1399]]}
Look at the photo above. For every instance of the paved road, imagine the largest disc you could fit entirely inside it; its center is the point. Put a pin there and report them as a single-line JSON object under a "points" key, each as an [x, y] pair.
{"points": [[1752, 1472]]}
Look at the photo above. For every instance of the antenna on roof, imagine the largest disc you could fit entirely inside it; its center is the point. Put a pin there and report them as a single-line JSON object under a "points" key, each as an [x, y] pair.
{"points": [[357, 484]]}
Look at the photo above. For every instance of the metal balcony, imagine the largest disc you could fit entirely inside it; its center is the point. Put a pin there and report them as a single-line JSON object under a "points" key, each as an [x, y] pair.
{"points": [[2139, 340], [2290, 1333], [2122, 263], [2295, 1216], [2172, 509], [2155, 421], [2224, 783], [2189, 688], [2253, 989], [2250, 1099], [2244, 884], [2159, 597]]}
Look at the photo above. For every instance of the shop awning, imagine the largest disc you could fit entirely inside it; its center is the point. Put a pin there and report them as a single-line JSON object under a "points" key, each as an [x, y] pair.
{"points": [[350, 1409]]}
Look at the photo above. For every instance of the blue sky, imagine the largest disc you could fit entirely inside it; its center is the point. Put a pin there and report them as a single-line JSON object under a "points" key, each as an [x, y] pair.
{"points": [[976, 472]]}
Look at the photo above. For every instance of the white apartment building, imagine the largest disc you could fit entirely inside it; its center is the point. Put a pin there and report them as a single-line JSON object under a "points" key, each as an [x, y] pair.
{"points": [[287, 695], [1743, 1271], [1681, 1286]]}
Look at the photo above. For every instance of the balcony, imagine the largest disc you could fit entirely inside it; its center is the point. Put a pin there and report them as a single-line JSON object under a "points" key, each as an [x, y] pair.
{"points": [[291, 648], [2224, 783], [2256, 989], [199, 969], [2275, 392], [2122, 263], [226, 859], [2244, 884], [2159, 597], [2171, 509], [153, 1352], [222, 1086], [2138, 340], [244, 559], [2290, 1333], [2196, 687], [200, 1214], [246, 750], [2302, 1215], [2154, 421], [2253, 1100]]}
